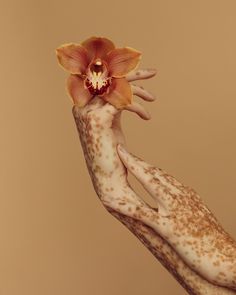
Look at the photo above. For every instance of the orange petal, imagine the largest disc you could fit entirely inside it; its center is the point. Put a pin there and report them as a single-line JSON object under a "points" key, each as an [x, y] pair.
{"points": [[122, 60], [120, 93], [98, 47], [73, 58], [78, 92]]}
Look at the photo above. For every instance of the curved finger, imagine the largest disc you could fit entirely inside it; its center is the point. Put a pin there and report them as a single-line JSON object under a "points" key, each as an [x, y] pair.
{"points": [[141, 92], [141, 74], [139, 110], [143, 171]]}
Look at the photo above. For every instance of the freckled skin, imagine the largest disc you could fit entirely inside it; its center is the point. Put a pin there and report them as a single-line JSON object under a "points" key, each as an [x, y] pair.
{"points": [[182, 233], [189, 225]]}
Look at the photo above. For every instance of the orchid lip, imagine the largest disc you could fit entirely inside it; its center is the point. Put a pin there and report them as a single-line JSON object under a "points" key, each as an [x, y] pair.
{"points": [[97, 80]]}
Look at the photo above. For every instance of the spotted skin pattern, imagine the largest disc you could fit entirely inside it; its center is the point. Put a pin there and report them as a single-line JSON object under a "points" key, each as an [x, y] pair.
{"points": [[181, 232]]}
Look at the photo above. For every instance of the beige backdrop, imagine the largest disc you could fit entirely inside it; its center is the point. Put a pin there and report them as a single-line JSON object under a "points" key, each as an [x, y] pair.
{"points": [[55, 236]]}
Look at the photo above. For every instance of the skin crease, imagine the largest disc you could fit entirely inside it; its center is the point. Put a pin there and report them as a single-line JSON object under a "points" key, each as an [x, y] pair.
{"points": [[182, 233]]}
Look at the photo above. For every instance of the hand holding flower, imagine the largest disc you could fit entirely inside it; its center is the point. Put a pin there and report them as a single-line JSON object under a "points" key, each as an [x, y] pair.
{"points": [[97, 68], [182, 233]]}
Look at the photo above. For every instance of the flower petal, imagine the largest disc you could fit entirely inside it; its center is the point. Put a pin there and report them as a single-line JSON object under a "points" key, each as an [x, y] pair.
{"points": [[78, 92], [122, 60], [73, 58], [120, 93], [98, 47]]}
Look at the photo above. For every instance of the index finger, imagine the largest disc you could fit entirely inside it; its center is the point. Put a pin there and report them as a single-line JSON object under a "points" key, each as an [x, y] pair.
{"points": [[140, 74]]}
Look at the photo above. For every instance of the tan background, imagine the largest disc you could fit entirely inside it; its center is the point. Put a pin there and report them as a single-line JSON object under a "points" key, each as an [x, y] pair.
{"points": [[55, 236]]}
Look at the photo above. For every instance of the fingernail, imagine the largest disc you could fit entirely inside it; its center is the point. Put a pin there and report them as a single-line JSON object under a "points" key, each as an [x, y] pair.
{"points": [[154, 97], [121, 148], [152, 71], [147, 116]]}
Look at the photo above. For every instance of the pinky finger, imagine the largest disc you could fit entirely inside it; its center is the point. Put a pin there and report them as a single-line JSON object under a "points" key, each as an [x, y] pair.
{"points": [[139, 110]]}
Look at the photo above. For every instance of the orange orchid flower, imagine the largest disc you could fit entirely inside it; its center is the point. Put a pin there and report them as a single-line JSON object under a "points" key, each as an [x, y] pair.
{"points": [[97, 68]]}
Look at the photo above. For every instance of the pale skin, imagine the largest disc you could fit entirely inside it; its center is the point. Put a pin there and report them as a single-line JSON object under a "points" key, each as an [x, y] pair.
{"points": [[182, 232]]}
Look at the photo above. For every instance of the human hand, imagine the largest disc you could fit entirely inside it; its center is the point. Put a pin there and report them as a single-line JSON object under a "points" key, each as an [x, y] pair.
{"points": [[100, 131]]}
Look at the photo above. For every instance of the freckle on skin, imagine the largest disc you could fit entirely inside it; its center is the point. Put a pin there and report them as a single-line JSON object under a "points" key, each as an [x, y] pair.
{"points": [[122, 203], [216, 263]]}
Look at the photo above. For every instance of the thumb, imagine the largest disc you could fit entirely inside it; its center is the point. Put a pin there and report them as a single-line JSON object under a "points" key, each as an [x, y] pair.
{"points": [[148, 175]]}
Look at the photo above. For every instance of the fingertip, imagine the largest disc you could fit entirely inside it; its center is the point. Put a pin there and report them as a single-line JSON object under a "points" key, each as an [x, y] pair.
{"points": [[139, 110], [152, 72], [121, 148], [123, 154], [153, 97], [144, 114], [148, 116]]}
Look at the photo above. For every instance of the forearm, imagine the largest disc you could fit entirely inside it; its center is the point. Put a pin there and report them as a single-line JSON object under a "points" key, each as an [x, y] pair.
{"points": [[192, 282]]}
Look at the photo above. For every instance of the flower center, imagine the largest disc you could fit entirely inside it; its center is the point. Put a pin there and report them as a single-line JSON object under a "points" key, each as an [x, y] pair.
{"points": [[97, 80]]}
